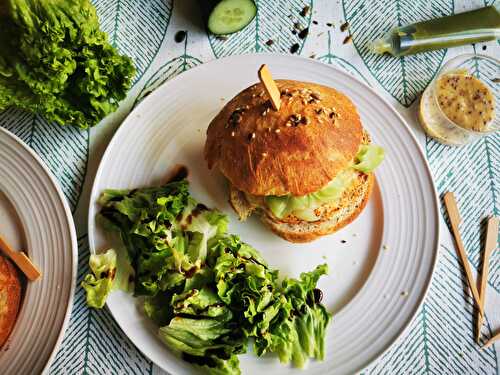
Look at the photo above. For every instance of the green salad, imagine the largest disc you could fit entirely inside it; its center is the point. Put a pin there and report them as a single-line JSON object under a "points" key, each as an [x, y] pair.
{"points": [[210, 294], [55, 61]]}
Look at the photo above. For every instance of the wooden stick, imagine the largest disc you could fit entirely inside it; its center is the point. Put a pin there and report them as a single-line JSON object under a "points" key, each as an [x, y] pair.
{"points": [[489, 246], [272, 90], [491, 341], [454, 215], [21, 260]]}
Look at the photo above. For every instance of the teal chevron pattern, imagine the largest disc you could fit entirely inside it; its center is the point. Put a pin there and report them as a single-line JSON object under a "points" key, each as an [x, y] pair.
{"points": [[167, 71], [64, 149], [137, 28], [473, 173], [93, 343], [330, 58], [440, 339], [274, 21], [403, 78]]}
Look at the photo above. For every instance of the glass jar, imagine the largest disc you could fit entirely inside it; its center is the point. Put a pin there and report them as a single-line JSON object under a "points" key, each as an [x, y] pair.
{"points": [[459, 105]]}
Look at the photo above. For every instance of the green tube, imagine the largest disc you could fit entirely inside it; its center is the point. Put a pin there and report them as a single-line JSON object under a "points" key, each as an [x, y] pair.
{"points": [[479, 25]]}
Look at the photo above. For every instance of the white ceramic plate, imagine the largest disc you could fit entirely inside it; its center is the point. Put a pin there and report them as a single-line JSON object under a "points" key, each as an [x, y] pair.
{"points": [[35, 217], [367, 285]]}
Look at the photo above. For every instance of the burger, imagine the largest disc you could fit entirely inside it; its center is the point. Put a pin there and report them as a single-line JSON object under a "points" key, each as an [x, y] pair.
{"points": [[306, 169]]}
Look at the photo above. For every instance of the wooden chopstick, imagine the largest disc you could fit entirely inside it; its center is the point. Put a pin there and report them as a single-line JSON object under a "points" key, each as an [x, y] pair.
{"points": [[489, 246], [454, 215], [491, 341], [270, 86], [21, 260]]}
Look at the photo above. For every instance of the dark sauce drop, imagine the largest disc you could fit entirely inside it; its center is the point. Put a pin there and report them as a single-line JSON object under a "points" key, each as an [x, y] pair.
{"points": [[318, 295], [200, 207]]}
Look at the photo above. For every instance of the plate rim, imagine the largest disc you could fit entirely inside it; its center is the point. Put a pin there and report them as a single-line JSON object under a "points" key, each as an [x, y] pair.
{"points": [[73, 239], [345, 73]]}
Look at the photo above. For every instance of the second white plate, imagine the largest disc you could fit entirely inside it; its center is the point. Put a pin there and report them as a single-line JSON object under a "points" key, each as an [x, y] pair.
{"points": [[380, 265], [35, 217]]}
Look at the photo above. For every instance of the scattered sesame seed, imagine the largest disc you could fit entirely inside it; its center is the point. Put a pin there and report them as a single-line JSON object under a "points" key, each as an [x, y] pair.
{"points": [[312, 56], [233, 134], [347, 39], [270, 42], [385, 247], [180, 36], [277, 131], [303, 34], [297, 26], [324, 257], [329, 24], [305, 11], [315, 22], [343, 241], [264, 154], [344, 26], [222, 38], [404, 293], [294, 48]]}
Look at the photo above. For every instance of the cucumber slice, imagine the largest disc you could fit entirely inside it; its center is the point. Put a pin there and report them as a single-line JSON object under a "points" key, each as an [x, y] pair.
{"points": [[230, 16]]}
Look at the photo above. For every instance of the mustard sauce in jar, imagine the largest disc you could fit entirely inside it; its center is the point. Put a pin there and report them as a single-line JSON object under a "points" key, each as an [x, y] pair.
{"points": [[458, 106], [465, 100]]}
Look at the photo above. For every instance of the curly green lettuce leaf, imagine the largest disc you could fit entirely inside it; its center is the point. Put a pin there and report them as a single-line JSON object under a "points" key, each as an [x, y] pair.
{"points": [[298, 330], [210, 342], [203, 224], [99, 283], [200, 302], [213, 365], [56, 61]]}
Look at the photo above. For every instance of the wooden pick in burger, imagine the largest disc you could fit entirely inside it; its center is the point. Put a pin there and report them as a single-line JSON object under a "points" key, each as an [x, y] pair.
{"points": [[270, 86]]}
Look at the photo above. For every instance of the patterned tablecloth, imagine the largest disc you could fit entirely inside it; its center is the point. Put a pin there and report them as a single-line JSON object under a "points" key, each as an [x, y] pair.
{"points": [[440, 339]]}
